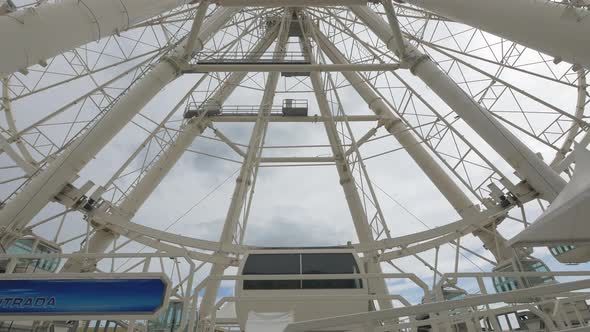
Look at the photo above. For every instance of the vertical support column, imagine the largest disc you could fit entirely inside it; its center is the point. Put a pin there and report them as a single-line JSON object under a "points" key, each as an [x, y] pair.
{"points": [[443, 182], [456, 197], [244, 178], [529, 167], [355, 205], [102, 239], [48, 183], [30, 36]]}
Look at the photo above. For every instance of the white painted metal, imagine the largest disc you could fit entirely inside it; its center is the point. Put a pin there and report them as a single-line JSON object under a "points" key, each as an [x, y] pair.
{"points": [[103, 238], [289, 68], [355, 205], [290, 3], [193, 37], [32, 35], [7, 6], [456, 197], [158, 170], [528, 165], [276, 118], [49, 182], [28, 164], [564, 222], [112, 224], [247, 170], [438, 306], [571, 136], [554, 28], [44, 186], [450, 190]]}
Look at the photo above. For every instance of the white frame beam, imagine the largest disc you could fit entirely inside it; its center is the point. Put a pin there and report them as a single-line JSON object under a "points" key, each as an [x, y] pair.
{"points": [[32, 35], [540, 176], [48, 183]]}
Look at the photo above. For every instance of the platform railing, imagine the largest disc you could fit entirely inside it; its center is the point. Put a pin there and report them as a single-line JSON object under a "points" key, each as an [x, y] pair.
{"points": [[465, 312], [544, 295], [292, 57], [212, 109], [207, 324], [561, 304]]}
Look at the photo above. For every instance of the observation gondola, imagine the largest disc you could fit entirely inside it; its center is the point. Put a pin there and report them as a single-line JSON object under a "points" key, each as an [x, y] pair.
{"points": [[302, 299]]}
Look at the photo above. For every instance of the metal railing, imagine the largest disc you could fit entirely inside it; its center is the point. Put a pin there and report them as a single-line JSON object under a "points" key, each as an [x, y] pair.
{"points": [[449, 306], [208, 323], [214, 109], [295, 103], [292, 57]]}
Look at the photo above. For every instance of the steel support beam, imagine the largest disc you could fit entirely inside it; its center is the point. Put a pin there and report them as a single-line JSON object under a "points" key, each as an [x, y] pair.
{"points": [[247, 170], [32, 35], [103, 238], [49, 182], [194, 127], [456, 197], [543, 291], [550, 27], [289, 68], [290, 3], [26, 155], [526, 163], [299, 119], [495, 243], [355, 205]]}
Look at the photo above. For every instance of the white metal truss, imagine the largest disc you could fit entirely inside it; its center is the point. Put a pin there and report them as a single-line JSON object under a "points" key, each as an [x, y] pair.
{"points": [[469, 91]]}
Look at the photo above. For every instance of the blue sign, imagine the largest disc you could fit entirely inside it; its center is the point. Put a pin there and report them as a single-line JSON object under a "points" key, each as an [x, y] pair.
{"points": [[82, 296]]}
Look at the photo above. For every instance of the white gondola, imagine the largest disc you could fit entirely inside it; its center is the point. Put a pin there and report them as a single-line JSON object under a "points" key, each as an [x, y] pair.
{"points": [[33, 245], [507, 284], [574, 311], [169, 320], [570, 254], [301, 299]]}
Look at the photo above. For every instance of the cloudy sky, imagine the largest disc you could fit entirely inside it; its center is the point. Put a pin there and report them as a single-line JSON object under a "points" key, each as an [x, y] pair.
{"points": [[292, 206]]}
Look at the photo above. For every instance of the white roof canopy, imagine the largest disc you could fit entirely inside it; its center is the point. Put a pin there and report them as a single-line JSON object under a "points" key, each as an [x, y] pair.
{"points": [[566, 219]]}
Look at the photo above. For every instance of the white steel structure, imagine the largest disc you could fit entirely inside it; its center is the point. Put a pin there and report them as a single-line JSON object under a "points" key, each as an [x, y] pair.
{"points": [[347, 126]]}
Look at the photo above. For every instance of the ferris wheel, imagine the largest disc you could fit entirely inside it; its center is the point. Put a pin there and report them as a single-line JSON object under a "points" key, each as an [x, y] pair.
{"points": [[221, 143]]}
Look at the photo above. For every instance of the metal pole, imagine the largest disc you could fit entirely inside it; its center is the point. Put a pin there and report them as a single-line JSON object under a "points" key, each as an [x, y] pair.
{"points": [[351, 194], [528, 165], [244, 178], [103, 238], [32, 35], [443, 182], [48, 183], [25, 160], [456, 197], [512, 296]]}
